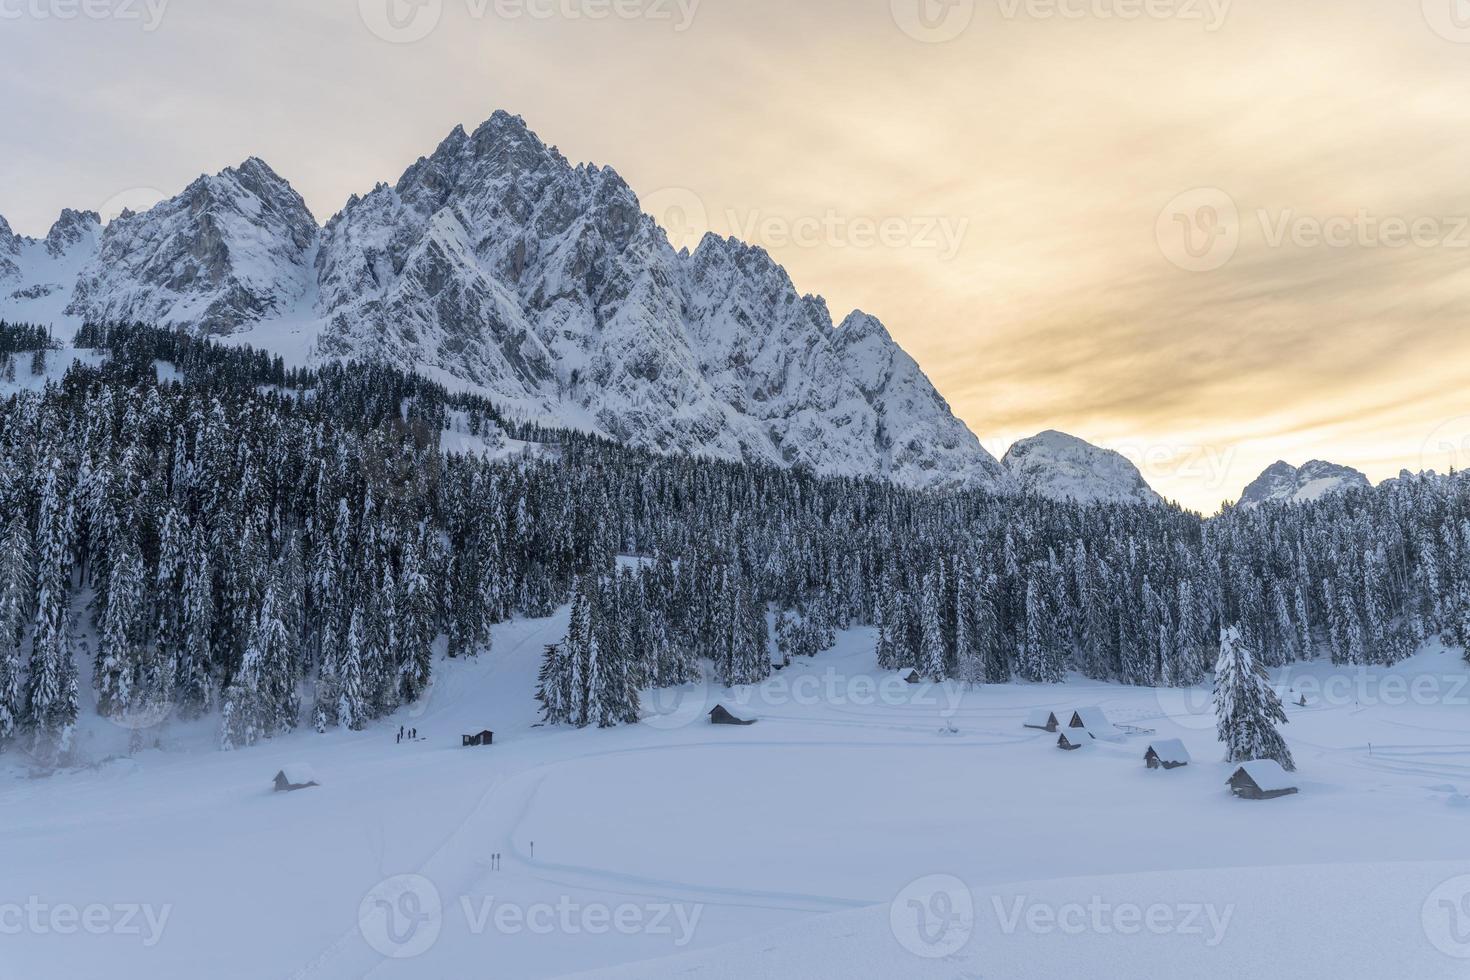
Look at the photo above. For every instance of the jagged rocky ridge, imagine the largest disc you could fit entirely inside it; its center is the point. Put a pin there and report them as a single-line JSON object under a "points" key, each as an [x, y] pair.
{"points": [[497, 264], [1284, 483]]}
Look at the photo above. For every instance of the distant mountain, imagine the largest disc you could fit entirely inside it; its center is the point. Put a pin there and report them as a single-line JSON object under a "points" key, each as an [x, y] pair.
{"points": [[1284, 483], [1063, 467], [497, 265], [231, 249]]}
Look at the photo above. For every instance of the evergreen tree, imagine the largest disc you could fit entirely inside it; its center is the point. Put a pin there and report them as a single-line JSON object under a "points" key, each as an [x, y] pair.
{"points": [[1246, 708]]}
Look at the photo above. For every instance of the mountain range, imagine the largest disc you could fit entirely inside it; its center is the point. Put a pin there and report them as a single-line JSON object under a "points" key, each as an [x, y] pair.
{"points": [[496, 265]]}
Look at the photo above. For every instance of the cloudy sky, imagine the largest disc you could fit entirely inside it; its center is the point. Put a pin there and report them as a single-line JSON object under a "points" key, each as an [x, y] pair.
{"points": [[1209, 234]]}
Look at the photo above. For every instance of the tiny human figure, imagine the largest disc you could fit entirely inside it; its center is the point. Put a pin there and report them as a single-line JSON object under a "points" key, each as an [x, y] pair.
{"points": [[400, 738]]}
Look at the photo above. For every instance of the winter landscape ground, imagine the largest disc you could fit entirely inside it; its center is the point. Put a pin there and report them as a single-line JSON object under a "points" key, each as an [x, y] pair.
{"points": [[862, 827]]}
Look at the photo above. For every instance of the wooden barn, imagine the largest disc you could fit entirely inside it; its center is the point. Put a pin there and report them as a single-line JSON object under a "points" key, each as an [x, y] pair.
{"points": [[1168, 753], [1263, 779], [721, 716], [295, 777], [1043, 720], [910, 676], [1073, 739], [1096, 723], [486, 737]]}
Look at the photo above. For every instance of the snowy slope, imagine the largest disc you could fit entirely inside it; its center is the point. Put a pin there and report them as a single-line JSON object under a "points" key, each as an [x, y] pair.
{"points": [[785, 846], [1062, 467], [1283, 483], [37, 275], [495, 264]]}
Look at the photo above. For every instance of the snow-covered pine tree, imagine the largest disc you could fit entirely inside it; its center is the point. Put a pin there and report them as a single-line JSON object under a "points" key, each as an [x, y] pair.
{"points": [[554, 687], [417, 630], [1247, 710], [52, 700], [195, 684], [15, 592], [352, 710], [931, 649]]}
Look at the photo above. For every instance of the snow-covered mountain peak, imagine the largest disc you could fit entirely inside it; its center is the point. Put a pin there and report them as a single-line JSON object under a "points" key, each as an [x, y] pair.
{"points": [[73, 228], [232, 249], [496, 263], [1283, 483], [1063, 467]]}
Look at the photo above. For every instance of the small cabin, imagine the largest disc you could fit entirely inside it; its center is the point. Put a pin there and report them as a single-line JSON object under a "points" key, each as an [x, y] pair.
{"points": [[1096, 723], [486, 737], [910, 676], [1043, 720], [721, 716], [295, 777], [1073, 739], [1169, 753], [1264, 779]]}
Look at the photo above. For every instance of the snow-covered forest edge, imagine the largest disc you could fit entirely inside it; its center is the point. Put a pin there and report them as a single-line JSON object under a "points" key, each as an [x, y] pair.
{"points": [[193, 531]]}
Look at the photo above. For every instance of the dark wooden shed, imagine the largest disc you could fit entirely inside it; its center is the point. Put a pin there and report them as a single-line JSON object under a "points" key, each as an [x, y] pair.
{"points": [[910, 676], [1169, 753], [1043, 720], [486, 737], [1263, 779], [720, 716], [1073, 739], [295, 777]]}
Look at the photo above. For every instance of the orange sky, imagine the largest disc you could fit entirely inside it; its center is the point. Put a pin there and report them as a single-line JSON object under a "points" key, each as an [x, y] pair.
{"points": [[1006, 183]]}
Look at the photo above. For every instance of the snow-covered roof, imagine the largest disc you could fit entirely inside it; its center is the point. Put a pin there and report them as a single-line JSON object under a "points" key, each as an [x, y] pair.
{"points": [[1093, 718], [1076, 736], [1040, 718], [299, 774], [1170, 750], [1268, 775]]}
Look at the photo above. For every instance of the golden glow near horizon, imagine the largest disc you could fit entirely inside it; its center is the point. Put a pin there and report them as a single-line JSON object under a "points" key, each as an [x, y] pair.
{"points": [[1208, 234]]}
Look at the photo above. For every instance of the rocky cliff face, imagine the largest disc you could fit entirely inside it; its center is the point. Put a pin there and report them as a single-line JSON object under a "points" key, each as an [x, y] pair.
{"points": [[232, 249], [496, 264]]}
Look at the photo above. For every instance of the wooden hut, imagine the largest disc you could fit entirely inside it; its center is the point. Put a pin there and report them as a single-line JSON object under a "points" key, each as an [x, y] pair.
{"points": [[721, 716], [1168, 753], [910, 676], [295, 777], [1073, 739], [1043, 720], [1263, 779], [1096, 723], [486, 737]]}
